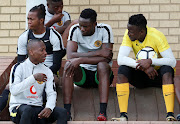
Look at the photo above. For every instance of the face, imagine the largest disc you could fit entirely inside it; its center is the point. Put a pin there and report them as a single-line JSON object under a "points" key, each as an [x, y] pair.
{"points": [[134, 32], [33, 21], [86, 26], [38, 52], [55, 7]]}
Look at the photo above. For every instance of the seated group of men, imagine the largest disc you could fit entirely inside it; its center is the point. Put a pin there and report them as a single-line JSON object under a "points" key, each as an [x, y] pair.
{"points": [[89, 60]]}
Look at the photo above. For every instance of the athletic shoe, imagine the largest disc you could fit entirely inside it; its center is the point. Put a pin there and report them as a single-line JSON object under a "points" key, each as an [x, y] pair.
{"points": [[69, 118], [178, 117], [101, 117], [123, 117], [170, 116]]}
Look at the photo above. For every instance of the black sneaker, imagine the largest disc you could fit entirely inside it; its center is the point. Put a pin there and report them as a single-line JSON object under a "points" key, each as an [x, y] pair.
{"points": [[170, 116], [123, 117], [178, 117], [69, 118]]}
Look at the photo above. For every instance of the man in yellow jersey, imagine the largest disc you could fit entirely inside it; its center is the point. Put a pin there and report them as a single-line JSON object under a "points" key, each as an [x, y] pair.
{"points": [[142, 73]]}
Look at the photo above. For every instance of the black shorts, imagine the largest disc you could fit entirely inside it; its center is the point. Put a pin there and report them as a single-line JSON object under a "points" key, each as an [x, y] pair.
{"points": [[140, 79], [89, 79]]}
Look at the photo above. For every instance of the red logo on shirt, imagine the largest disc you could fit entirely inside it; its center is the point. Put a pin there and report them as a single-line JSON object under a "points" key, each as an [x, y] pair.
{"points": [[33, 90]]}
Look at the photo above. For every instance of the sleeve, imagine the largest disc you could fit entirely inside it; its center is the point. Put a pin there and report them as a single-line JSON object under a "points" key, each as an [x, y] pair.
{"points": [[22, 44], [50, 91], [57, 58], [107, 34], [66, 16], [21, 58], [126, 40], [168, 59], [73, 33], [17, 84], [123, 58], [162, 43], [56, 40]]}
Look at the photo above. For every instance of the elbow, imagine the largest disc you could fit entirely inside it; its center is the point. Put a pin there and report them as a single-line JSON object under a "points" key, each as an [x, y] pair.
{"points": [[174, 63], [120, 60]]}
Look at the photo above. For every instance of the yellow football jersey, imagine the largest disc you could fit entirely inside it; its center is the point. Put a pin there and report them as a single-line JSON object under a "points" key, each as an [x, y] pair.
{"points": [[154, 39]]}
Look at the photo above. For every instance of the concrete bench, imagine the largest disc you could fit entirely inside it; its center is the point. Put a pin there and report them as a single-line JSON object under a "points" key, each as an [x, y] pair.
{"points": [[144, 105]]}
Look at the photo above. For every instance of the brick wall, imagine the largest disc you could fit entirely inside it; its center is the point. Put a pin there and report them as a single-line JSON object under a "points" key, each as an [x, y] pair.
{"points": [[161, 14]]}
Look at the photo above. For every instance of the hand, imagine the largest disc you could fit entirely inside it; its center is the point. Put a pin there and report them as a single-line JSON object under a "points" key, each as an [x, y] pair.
{"points": [[45, 113], [151, 72], [144, 64], [70, 66], [106, 53], [40, 77], [57, 17]]}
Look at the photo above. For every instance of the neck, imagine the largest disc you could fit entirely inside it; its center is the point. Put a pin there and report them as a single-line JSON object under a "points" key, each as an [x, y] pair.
{"points": [[39, 30], [33, 61]]}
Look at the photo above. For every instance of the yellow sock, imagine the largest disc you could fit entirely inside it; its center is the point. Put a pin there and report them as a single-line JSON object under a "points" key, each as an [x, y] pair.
{"points": [[123, 96], [168, 93]]}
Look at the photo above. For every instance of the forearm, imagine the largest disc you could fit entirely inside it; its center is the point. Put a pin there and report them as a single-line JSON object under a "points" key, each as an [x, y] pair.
{"points": [[83, 55], [168, 59], [93, 60], [163, 61], [49, 23], [124, 60]]}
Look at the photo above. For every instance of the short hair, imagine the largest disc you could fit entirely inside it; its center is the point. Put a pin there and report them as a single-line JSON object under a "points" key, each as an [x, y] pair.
{"points": [[40, 9], [138, 20], [89, 14], [31, 43], [54, 0]]}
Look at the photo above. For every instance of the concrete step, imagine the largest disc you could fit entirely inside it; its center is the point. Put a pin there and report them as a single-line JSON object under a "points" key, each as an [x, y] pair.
{"points": [[109, 122]]}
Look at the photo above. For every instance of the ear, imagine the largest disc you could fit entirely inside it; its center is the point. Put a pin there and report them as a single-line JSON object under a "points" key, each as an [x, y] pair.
{"points": [[48, 5], [42, 21], [31, 52], [95, 23]]}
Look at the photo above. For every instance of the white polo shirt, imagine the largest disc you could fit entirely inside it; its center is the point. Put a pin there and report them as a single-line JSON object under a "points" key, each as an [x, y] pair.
{"points": [[103, 34], [61, 22]]}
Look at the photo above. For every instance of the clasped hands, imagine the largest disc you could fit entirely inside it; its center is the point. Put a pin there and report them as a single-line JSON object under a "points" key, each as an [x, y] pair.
{"points": [[146, 66]]}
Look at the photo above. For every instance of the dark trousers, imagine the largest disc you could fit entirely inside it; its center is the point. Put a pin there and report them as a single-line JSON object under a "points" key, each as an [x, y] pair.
{"points": [[27, 114]]}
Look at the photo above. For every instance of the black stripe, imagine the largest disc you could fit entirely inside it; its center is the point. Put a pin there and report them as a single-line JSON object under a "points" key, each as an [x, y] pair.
{"points": [[73, 32], [14, 69], [109, 35], [68, 14], [58, 38]]}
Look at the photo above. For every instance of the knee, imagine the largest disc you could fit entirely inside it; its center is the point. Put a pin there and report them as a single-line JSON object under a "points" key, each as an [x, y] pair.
{"points": [[166, 71], [61, 112], [27, 111], [123, 71], [103, 67]]}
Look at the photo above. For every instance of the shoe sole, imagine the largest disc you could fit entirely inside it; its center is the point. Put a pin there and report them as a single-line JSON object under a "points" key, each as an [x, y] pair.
{"points": [[170, 118], [101, 118], [119, 119]]}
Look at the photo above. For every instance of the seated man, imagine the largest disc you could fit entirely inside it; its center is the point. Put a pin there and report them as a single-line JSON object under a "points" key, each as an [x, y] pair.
{"points": [[56, 17], [28, 80], [51, 38], [142, 73], [89, 54]]}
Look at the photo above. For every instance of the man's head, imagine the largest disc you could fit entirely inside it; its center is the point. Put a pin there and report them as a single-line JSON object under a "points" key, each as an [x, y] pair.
{"points": [[36, 16], [87, 22], [36, 51], [55, 6], [137, 27]]}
